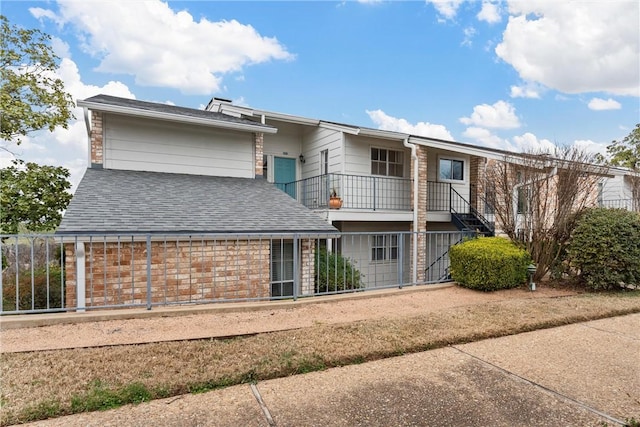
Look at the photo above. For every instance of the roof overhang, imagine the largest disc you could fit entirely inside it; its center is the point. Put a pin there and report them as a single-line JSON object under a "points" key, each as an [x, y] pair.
{"points": [[209, 122], [459, 147]]}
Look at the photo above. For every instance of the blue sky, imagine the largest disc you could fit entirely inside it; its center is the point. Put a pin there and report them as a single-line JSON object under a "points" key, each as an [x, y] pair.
{"points": [[516, 75]]}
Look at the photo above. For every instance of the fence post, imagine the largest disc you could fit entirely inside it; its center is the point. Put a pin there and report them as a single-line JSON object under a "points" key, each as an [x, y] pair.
{"points": [[400, 259], [148, 271], [81, 277], [296, 266]]}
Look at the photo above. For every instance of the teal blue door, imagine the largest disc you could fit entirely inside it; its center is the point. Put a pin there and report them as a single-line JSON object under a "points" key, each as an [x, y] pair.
{"points": [[284, 172]]}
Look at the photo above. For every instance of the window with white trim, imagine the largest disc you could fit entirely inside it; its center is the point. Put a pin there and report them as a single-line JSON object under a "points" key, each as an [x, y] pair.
{"points": [[451, 170], [384, 247], [324, 162], [386, 162]]}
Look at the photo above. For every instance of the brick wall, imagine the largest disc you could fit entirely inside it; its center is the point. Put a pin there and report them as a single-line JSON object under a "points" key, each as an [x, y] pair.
{"points": [[97, 139], [181, 271], [307, 281], [259, 151], [477, 177], [422, 210]]}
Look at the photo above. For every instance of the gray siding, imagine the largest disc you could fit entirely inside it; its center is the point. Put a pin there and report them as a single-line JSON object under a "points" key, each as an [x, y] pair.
{"points": [[157, 146]]}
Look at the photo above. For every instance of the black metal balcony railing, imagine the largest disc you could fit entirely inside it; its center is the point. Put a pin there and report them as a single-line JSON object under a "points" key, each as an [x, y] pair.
{"points": [[356, 192], [438, 196]]}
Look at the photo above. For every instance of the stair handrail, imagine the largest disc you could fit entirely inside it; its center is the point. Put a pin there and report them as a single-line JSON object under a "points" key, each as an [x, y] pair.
{"points": [[460, 240], [472, 210]]}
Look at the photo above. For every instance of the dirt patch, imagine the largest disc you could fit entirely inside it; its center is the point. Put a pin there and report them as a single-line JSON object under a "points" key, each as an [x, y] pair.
{"points": [[56, 382], [167, 325]]}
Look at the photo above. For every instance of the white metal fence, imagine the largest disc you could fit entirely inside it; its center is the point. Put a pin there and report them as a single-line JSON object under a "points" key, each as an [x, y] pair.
{"points": [[51, 273]]}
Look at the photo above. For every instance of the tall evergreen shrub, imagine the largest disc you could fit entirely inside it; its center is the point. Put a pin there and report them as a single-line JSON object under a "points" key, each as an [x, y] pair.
{"points": [[604, 249]]}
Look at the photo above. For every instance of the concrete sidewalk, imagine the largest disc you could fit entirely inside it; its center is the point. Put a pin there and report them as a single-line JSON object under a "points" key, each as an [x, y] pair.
{"points": [[583, 374]]}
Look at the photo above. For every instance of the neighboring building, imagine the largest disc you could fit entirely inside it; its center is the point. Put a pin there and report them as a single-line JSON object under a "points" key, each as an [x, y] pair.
{"points": [[621, 190]]}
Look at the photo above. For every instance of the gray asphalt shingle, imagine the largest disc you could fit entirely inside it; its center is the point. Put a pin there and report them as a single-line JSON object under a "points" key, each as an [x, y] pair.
{"points": [[169, 109], [118, 201]]}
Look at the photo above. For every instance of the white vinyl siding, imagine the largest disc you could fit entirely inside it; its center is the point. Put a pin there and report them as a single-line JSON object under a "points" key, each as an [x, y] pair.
{"points": [[360, 248], [157, 146], [318, 140]]}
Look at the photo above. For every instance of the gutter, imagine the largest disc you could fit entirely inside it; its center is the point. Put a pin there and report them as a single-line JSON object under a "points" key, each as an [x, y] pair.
{"points": [[211, 122], [416, 176]]}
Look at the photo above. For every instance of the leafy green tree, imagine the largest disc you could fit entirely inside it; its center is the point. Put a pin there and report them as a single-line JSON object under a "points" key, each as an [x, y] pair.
{"points": [[31, 97], [626, 153], [32, 197]]}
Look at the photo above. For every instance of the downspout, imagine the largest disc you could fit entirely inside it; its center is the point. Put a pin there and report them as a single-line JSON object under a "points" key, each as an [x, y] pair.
{"points": [[416, 175]]}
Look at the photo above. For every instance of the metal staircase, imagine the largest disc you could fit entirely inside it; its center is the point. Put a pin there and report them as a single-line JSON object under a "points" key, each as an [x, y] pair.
{"points": [[467, 218]]}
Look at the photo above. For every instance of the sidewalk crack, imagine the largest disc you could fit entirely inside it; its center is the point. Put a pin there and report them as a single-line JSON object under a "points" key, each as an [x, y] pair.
{"points": [[543, 388], [263, 406]]}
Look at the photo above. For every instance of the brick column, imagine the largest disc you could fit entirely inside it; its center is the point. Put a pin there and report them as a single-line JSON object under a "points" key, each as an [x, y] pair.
{"points": [[307, 279], [422, 210], [97, 140], [477, 172], [258, 143]]}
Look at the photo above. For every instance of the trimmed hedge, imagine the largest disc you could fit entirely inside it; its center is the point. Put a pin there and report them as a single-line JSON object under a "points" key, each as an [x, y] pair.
{"points": [[489, 264], [605, 249]]}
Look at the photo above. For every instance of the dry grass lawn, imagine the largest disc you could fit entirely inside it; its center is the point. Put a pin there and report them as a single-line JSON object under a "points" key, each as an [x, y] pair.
{"points": [[43, 384]]}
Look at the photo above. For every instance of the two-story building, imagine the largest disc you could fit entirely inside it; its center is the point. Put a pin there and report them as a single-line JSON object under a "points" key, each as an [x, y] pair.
{"points": [[161, 169]]}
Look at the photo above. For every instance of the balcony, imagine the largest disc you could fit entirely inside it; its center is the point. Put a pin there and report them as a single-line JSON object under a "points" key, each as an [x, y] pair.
{"points": [[358, 192]]}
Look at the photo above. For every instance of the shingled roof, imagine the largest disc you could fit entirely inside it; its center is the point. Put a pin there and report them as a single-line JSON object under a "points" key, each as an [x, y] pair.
{"points": [[119, 201], [133, 107]]}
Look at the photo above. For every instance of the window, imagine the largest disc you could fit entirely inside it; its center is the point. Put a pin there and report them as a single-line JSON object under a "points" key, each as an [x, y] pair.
{"points": [[281, 268], [386, 162], [451, 169], [600, 194], [523, 200], [490, 201], [324, 162], [384, 247], [265, 169]]}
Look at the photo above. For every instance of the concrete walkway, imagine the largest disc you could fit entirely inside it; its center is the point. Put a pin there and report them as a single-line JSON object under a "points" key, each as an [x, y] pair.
{"points": [[578, 375]]}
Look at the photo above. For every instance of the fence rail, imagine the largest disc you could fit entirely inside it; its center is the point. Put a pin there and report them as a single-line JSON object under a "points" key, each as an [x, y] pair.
{"points": [[628, 204], [52, 273]]}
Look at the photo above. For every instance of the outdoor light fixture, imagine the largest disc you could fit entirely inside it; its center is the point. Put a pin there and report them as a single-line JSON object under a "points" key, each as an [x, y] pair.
{"points": [[531, 270], [301, 157]]}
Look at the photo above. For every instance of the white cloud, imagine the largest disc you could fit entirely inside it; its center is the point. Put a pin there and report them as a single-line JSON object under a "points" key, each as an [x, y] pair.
{"points": [[599, 104], [575, 47], [447, 9], [469, 33], [486, 138], [489, 13], [164, 48], [591, 146], [501, 115], [386, 122], [528, 142], [525, 91]]}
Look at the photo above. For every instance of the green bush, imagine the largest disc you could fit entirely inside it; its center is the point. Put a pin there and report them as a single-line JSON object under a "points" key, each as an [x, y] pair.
{"points": [[39, 296], [334, 272], [604, 249], [489, 264]]}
